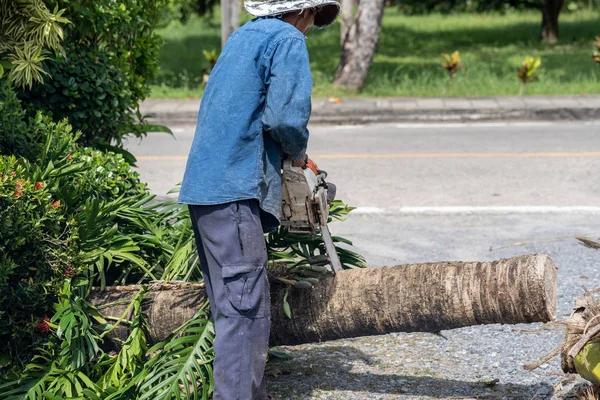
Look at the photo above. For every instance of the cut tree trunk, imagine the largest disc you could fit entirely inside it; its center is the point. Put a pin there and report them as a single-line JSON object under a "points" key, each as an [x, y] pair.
{"points": [[230, 19], [550, 11], [375, 301], [359, 44]]}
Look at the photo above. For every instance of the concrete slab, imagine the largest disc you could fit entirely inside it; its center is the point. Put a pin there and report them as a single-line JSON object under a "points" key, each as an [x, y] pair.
{"points": [[456, 103], [399, 105], [537, 102], [510, 102], [485, 103], [430, 103]]}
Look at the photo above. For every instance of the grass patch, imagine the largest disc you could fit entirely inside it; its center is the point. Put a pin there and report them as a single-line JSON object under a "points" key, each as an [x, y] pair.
{"points": [[408, 61]]}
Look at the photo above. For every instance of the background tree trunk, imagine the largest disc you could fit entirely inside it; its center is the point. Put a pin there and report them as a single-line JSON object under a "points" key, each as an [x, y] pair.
{"points": [[230, 19], [359, 44], [347, 17], [376, 301], [550, 11]]}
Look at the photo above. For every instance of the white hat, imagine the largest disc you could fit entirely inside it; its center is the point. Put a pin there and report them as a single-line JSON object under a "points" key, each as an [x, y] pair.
{"points": [[327, 10]]}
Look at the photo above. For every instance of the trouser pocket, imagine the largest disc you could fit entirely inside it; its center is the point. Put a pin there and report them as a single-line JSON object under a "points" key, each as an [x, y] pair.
{"points": [[247, 291]]}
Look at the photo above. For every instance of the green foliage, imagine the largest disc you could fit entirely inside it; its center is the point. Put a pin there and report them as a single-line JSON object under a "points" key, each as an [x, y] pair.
{"points": [[89, 89], [301, 258], [412, 7], [73, 217], [452, 63], [182, 366], [183, 10], [27, 31], [211, 57], [70, 211], [13, 128], [528, 71], [407, 62], [70, 364], [98, 80], [130, 360]]}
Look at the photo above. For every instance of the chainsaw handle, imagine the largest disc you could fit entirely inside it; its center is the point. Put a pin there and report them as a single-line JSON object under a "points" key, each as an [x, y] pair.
{"points": [[310, 164], [288, 164]]}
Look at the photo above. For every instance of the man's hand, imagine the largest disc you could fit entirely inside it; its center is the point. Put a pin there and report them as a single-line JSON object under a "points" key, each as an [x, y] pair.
{"points": [[307, 163]]}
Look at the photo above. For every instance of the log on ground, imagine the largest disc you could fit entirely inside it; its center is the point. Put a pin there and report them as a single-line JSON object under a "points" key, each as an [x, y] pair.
{"points": [[375, 301]]}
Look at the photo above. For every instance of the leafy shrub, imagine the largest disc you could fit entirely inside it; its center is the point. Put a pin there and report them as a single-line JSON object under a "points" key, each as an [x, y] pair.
{"points": [[110, 54], [528, 71], [68, 211], [13, 129]]}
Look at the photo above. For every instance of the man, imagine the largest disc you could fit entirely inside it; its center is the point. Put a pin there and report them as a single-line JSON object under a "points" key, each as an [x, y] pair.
{"points": [[254, 113]]}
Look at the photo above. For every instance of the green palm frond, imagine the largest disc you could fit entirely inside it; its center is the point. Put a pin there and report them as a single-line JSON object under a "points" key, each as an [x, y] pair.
{"points": [[50, 382], [129, 362], [183, 366], [184, 262], [299, 250], [56, 371]]}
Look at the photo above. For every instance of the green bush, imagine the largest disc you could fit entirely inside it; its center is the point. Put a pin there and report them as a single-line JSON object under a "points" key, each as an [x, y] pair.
{"points": [[68, 211], [110, 55]]}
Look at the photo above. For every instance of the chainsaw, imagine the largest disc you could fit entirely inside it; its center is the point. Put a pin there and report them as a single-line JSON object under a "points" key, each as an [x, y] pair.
{"points": [[305, 206]]}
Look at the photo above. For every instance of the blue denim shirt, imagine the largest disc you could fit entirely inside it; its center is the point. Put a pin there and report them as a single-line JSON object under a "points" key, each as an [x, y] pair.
{"points": [[253, 114]]}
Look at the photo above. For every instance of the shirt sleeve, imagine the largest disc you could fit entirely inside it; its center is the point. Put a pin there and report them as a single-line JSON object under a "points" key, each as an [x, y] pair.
{"points": [[288, 101]]}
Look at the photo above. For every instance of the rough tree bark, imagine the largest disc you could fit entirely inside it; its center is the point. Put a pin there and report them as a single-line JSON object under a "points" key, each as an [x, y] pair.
{"points": [[550, 11], [375, 301], [359, 44], [230, 19], [347, 16]]}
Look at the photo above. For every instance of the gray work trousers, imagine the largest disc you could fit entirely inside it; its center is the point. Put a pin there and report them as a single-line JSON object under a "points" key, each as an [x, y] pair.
{"points": [[233, 255]]}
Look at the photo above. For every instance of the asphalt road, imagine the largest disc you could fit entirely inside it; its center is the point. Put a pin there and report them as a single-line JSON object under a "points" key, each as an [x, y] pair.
{"points": [[443, 192], [525, 176]]}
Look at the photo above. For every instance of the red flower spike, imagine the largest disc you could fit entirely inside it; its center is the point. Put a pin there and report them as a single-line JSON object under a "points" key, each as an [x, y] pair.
{"points": [[39, 185], [43, 326], [55, 204], [18, 191]]}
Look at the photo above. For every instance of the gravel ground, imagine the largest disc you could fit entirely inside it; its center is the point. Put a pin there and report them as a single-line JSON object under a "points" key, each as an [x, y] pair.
{"points": [[474, 362]]}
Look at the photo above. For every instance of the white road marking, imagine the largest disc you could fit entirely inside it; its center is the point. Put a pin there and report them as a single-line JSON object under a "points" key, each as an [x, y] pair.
{"points": [[318, 156], [480, 210], [347, 127], [369, 210], [473, 125]]}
